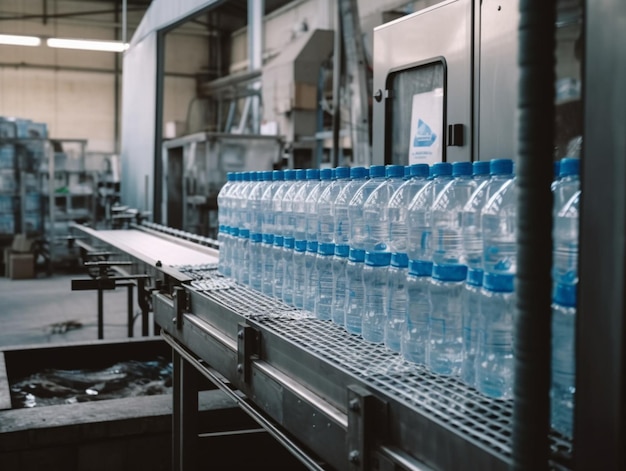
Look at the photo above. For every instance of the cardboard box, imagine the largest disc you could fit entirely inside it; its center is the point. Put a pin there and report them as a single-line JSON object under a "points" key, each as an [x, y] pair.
{"points": [[21, 266], [22, 244]]}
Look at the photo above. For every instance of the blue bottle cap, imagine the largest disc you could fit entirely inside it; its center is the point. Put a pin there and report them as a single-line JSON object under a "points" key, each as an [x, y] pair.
{"points": [[498, 282], [342, 250], [400, 260], [569, 166], [475, 276], [254, 176], [279, 240], [246, 176], [442, 169], [342, 172], [377, 259], [407, 171], [311, 246], [419, 170], [278, 175], [289, 174], [300, 174], [460, 169], [244, 233], [420, 268], [480, 167], [356, 255], [313, 174], [239, 176], [394, 171], [377, 171], [300, 245], [564, 294], [326, 248], [230, 176], [501, 167], [267, 176], [358, 172], [333, 175], [455, 272], [326, 174]]}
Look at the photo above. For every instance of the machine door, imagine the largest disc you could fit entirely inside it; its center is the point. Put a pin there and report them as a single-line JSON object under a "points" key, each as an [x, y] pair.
{"points": [[422, 110]]}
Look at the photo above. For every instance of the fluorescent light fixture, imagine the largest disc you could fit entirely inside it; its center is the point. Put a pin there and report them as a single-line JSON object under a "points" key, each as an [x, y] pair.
{"points": [[87, 45], [14, 40]]}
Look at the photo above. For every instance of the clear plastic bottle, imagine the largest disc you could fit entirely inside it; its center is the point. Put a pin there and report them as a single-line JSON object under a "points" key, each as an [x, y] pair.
{"points": [[223, 237], [500, 171], [375, 286], [445, 346], [395, 312], [419, 250], [302, 264], [289, 218], [279, 236], [299, 273], [338, 308], [376, 210], [398, 206], [564, 295], [324, 285], [243, 239], [269, 231], [310, 292], [358, 229], [341, 220], [355, 291], [326, 234], [494, 355], [256, 227]]}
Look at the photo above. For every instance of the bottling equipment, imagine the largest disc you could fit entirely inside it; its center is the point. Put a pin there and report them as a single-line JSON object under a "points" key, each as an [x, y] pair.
{"points": [[445, 88]]}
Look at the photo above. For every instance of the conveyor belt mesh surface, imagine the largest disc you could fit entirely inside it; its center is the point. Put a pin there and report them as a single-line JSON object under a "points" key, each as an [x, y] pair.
{"points": [[465, 410]]}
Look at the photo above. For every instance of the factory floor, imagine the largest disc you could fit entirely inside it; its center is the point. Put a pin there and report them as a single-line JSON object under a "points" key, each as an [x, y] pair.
{"points": [[45, 310]]}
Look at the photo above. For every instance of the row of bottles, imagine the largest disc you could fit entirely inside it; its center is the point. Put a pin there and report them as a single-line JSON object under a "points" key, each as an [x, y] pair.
{"points": [[421, 259]]}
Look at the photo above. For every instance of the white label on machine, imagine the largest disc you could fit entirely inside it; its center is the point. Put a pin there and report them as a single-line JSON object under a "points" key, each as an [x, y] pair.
{"points": [[426, 127]]}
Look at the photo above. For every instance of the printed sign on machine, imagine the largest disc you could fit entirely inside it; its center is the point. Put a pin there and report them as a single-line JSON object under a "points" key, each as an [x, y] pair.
{"points": [[426, 127]]}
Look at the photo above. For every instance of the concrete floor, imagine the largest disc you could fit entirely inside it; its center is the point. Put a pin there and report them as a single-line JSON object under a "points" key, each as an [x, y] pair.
{"points": [[36, 311]]}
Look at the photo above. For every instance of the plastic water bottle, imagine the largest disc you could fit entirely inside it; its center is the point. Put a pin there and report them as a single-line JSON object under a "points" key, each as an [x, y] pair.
{"points": [[312, 229], [358, 229], [564, 298], [324, 285], [256, 229], [500, 170], [444, 350], [223, 205], [494, 355], [269, 231], [419, 251], [341, 220], [243, 239], [375, 286], [396, 306], [376, 210], [395, 311], [279, 236], [338, 306], [289, 233], [355, 291], [303, 265], [398, 206]]}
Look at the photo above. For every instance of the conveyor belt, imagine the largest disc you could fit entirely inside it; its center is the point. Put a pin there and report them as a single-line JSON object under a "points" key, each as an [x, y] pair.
{"points": [[151, 248]]}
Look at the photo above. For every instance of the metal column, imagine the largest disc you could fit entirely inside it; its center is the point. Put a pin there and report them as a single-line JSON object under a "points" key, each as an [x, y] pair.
{"points": [[185, 415]]}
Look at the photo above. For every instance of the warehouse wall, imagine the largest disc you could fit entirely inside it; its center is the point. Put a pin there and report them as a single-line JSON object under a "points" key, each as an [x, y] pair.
{"points": [[74, 91]]}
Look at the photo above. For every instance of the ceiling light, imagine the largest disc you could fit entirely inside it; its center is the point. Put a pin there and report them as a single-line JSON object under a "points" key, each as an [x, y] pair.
{"points": [[15, 40], [87, 45]]}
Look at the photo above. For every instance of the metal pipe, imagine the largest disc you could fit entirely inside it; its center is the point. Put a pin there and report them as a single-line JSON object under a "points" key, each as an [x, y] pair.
{"points": [[536, 60], [337, 69], [256, 9]]}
